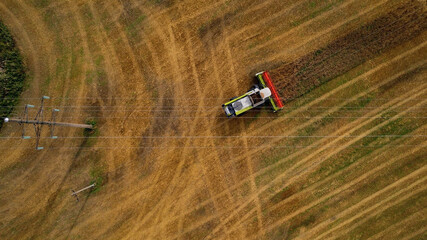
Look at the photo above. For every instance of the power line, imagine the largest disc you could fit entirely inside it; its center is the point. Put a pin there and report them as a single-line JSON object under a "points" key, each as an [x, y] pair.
{"points": [[173, 107], [243, 117], [203, 98], [226, 147], [193, 110], [234, 136]]}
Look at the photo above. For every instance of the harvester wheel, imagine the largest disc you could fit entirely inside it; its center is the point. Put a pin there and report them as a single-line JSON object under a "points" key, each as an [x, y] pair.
{"points": [[253, 87]]}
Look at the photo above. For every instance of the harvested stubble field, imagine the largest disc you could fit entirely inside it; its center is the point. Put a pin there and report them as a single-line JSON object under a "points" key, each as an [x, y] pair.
{"points": [[345, 159]]}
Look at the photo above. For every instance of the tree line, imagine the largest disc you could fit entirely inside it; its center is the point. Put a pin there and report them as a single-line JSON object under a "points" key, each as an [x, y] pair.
{"points": [[12, 73]]}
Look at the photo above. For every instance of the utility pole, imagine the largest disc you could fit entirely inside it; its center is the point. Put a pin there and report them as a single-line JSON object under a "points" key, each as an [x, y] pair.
{"points": [[81, 190], [39, 121]]}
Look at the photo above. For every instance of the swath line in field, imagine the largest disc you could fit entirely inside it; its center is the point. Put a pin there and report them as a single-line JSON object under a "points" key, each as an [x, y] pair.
{"points": [[198, 113], [325, 96], [217, 162], [335, 191], [28, 43], [139, 74], [87, 53], [328, 112], [414, 234], [381, 205], [245, 141], [321, 33], [355, 125], [314, 231], [420, 147], [399, 225]]}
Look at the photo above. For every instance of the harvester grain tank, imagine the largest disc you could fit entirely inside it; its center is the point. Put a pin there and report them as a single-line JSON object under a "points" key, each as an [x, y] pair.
{"points": [[258, 95]]}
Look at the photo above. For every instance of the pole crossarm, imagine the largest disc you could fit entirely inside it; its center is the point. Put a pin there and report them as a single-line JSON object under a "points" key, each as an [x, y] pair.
{"points": [[81, 190], [76, 125], [39, 122]]}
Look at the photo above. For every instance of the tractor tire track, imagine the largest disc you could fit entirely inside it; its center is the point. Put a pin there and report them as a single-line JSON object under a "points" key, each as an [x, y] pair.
{"points": [[264, 188], [419, 232], [193, 128], [23, 36], [139, 74], [318, 100], [211, 48], [397, 227], [353, 126], [33, 62], [313, 232], [380, 206], [342, 188], [176, 67], [38, 74], [315, 20], [250, 199], [197, 120], [350, 50]]}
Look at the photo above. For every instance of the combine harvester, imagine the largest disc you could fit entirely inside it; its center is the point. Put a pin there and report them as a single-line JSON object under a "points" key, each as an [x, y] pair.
{"points": [[255, 97]]}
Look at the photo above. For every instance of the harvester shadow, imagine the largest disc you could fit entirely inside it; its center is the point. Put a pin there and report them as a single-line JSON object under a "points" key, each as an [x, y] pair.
{"points": [[233, 126]]}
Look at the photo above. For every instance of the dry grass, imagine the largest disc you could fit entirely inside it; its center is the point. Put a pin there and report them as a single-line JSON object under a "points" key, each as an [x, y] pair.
{"points": [[149, 69]]}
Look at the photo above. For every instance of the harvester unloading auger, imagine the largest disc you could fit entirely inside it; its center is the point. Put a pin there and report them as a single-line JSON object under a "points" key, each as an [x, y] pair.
{"points": [[257, 96]]}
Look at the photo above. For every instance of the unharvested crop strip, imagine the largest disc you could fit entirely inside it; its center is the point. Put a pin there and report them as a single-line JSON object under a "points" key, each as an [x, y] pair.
{"points": [[316, 36], [307, 72]]}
